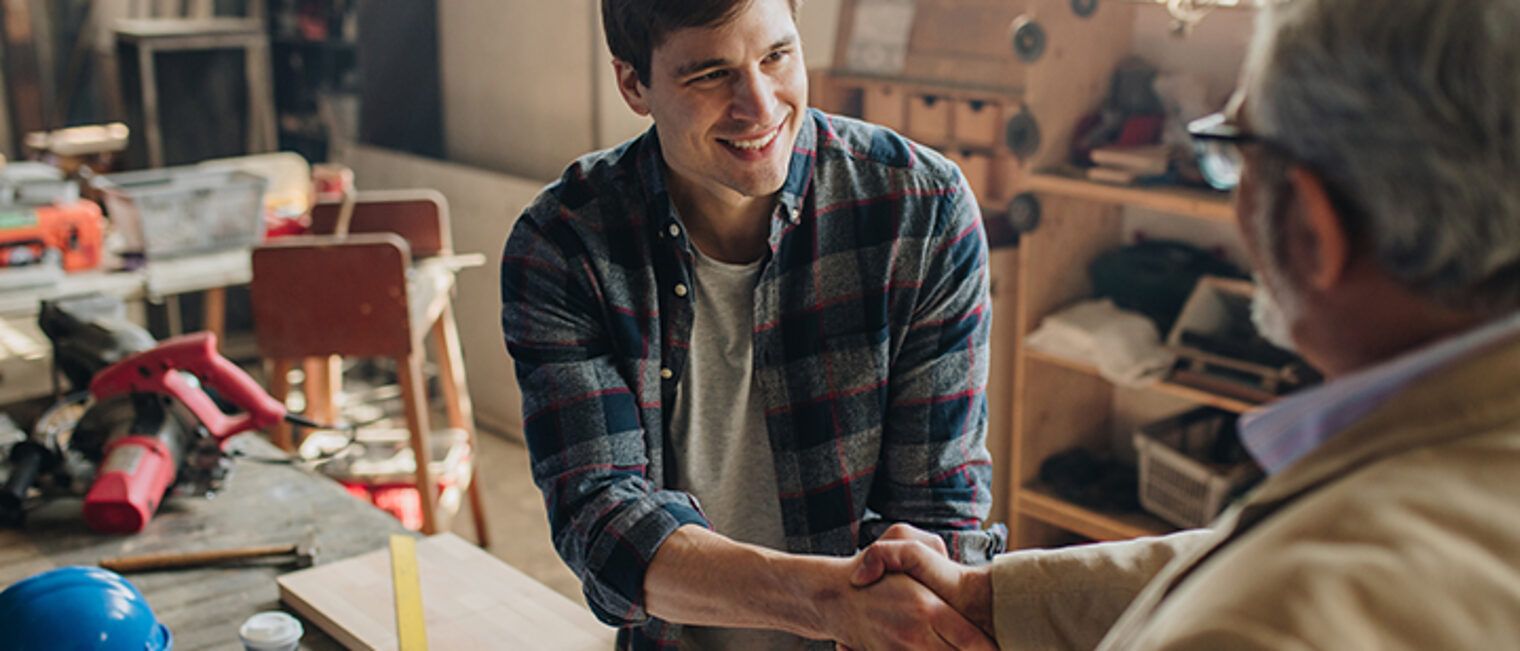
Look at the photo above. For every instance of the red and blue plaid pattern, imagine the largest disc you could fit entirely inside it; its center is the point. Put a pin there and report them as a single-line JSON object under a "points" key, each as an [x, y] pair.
{"points": [[872, 318]]}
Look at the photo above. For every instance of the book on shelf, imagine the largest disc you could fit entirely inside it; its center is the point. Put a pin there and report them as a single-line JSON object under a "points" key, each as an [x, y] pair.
{"points": [[1114, 175], [1143, 160]]}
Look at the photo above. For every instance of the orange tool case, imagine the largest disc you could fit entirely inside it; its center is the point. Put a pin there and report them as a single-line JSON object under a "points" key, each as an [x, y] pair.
{"points": [[74, 229]]}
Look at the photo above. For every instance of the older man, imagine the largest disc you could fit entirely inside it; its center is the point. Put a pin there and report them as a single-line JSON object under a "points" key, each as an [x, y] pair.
{"points": [[1380, 144]]}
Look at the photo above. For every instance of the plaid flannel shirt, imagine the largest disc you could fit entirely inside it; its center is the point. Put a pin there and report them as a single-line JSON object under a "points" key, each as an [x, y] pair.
{"points": [[871, 325]]}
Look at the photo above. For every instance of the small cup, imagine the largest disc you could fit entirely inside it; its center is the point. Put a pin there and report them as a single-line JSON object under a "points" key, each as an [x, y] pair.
{"points": [[271, 630]]}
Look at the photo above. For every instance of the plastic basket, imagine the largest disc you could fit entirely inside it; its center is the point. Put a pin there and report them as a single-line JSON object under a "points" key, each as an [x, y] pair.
{"points": [[1177, 481], [179, 211]]}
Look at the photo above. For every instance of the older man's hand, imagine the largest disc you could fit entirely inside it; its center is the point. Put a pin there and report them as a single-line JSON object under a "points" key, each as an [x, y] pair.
{"points": [[922, 556], [897, 612]]}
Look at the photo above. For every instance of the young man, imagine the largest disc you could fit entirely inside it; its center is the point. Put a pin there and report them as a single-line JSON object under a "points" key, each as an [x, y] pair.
{"points": [[1381, 144], [750, 341]]}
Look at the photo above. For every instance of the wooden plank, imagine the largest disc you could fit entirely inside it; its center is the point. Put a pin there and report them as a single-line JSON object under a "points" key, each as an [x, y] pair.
{"points": [[1193, 394], [1038, 502], [470, 600], [1053, 257], [1199, 204], [1004, 345], [1057, 408]]}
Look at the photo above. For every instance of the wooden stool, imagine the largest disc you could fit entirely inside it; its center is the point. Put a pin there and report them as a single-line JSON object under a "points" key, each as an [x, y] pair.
{"points": [[318, 297]]}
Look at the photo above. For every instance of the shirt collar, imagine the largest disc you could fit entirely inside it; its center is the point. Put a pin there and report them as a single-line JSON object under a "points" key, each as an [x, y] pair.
{"points": [[1285, 431]]}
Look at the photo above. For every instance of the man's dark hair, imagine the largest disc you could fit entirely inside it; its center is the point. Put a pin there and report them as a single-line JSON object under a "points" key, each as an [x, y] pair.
{"points": [[636, 27]]}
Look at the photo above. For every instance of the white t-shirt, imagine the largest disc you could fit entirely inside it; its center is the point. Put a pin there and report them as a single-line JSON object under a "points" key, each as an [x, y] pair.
{"points": [[722, 447]]}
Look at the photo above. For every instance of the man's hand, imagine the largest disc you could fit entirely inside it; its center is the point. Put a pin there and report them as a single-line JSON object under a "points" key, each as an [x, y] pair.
{"points": [[908, 551], [897, 612], [702, 578]]}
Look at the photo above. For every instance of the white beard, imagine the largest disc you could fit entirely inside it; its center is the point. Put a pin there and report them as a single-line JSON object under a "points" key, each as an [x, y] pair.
{"points": [[1273, 318]]}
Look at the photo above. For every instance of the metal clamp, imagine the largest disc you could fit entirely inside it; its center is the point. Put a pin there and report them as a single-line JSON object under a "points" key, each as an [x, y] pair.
{"points": [[1024, 213], [1022, 134], [1028, 39]]}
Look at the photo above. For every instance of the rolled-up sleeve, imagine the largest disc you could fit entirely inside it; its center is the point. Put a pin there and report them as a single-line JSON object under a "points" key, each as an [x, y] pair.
{"points": [[1069, 598], [581, 419]]}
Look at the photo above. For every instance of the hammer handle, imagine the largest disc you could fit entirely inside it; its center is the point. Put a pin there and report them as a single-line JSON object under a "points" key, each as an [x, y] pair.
{"points": [[191, 559]]}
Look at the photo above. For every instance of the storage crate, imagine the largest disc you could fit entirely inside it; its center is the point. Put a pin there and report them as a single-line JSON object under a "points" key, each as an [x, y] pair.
{"points": [[1187, 473], [180, 211]]}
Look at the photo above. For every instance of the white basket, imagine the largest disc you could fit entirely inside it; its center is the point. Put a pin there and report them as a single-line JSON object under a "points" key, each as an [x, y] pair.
{"points": [[177, 211], [1175, 484]]}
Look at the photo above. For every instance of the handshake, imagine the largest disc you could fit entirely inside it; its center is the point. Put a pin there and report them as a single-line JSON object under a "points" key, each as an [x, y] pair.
{"points": [[915, 597], [902, 592]]}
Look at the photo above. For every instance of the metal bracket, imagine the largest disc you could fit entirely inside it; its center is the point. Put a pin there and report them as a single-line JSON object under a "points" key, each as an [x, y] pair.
{"points": [[1028, 39], [1084, 8], [1024, 213], [1022, 134]]}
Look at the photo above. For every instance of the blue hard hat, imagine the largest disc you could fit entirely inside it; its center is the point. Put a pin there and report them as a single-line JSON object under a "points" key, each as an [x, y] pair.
{"points": [[79, 609]]}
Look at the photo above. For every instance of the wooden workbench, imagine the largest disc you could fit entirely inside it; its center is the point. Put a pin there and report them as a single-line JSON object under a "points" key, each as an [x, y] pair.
{"points": [[261, 504]]}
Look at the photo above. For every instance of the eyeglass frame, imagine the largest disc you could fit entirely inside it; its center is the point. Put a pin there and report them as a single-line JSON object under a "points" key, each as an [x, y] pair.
{"points": [[1217, 128]]}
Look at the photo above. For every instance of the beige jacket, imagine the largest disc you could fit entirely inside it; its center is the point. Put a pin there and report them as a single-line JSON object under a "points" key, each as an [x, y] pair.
{"points": [[1401, 532]]}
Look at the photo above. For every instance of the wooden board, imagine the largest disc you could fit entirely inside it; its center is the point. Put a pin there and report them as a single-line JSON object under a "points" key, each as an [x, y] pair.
{"points": [[1004, 266], [470, 600]]}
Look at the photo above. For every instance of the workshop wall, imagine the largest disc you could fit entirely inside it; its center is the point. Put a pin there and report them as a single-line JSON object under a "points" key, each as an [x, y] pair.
{"points": [[528, 85]]}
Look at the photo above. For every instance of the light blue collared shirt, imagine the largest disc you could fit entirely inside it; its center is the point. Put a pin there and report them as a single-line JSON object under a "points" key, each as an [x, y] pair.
{"points": [[1285, 431]]}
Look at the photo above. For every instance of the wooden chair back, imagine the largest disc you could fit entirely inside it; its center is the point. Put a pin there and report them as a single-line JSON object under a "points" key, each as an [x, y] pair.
{"points": [[421, 217], [315, 296]]}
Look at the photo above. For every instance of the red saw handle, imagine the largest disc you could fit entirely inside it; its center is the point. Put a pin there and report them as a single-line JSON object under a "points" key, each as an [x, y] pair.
{"points": [[162, 369]]}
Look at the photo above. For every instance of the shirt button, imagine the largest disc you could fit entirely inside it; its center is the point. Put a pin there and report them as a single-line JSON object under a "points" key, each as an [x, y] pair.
{"points": [[680, 289], [674, 230], [665, 373], [796, 215]]}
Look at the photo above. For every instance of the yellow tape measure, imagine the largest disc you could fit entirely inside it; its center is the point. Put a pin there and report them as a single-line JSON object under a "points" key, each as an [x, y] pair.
{"points": [[411, 629]]}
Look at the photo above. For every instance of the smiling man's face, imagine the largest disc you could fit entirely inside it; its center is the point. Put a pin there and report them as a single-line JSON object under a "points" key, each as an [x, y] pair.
{"points": [[727, 101]]}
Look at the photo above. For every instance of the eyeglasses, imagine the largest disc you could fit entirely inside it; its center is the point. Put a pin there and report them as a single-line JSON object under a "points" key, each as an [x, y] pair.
{"points": [[1216, 145]]}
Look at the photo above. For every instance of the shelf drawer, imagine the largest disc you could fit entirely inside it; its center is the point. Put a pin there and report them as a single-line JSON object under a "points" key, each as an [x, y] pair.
{"points": [[977, 169], [977, 123], [886, 106], [929, 119]]}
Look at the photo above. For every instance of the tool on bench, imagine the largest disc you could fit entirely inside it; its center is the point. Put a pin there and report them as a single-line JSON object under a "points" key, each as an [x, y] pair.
{"points": [[147, 424], [303, 554]]}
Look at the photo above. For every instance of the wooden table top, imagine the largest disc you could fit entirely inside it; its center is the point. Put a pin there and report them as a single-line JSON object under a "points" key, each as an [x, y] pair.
{"points": [[203, 608]]}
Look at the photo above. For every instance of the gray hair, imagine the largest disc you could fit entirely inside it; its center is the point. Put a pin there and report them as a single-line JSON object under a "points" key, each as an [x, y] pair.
{"points": [[1411, 111]]}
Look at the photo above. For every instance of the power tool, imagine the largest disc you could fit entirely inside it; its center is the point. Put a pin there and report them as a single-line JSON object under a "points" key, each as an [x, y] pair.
{"points": [[143, 436], [146, 425], [74, 229]]}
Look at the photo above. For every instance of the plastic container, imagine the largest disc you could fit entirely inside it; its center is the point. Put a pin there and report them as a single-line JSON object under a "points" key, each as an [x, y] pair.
{"points": [[1182, 477], [271, 630], [179, 211]]}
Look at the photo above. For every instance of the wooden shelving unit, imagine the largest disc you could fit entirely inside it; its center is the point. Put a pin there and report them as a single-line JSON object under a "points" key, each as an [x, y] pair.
{"points": [[960, 89], [1060, 403]]}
